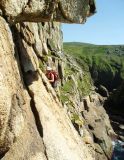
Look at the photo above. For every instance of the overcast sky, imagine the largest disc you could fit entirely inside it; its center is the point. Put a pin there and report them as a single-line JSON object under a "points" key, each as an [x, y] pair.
{"points": [[105, 27]]}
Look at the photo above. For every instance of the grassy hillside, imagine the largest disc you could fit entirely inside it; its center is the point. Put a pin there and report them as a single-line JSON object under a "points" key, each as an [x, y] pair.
{"points": [[85, 48], [105, 62]]}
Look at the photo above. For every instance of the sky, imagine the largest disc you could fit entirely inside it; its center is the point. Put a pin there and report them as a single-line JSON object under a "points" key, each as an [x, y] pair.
{"points": [[104, 27]]}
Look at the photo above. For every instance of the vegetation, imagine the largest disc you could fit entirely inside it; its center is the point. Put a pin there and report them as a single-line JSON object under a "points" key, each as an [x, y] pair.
{"points": [[77, 120], [68, 87], [84, 84], [105, 63], [75, 81]]}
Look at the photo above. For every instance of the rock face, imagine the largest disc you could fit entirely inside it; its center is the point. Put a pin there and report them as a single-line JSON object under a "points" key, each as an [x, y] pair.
{"points": [[33, 123], [98, 124], [103, 91], [86, 111], [18, 130], [114, 106], [44, 10]]}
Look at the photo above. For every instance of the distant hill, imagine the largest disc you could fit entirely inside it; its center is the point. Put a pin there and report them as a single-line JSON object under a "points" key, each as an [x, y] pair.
{"points": [[105, 62], [77, 43], [87, 48]]}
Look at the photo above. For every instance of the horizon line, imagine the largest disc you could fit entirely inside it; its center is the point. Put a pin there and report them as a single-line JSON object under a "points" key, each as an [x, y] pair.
{"points": [[91, 43]]}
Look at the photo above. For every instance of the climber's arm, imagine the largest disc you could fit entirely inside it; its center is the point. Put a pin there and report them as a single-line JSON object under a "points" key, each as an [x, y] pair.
{"points": [[52, 78]]}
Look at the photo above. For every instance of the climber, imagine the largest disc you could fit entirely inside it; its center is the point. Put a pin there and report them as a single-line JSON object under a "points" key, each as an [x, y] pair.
{"points": [[52, 76]]}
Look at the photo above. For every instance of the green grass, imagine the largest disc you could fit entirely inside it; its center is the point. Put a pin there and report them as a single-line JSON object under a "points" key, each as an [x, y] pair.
{"points": [[84, 85], [68, 87], [66, 90], [90, 49]]}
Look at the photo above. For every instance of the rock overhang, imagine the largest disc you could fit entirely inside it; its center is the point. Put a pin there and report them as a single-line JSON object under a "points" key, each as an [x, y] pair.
{"points": [[66, 11]]}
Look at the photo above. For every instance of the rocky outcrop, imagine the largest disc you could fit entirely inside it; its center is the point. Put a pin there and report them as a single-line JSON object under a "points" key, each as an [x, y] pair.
{"points": [[98, 125], [44, 10], [86, 111], [33, 122]]}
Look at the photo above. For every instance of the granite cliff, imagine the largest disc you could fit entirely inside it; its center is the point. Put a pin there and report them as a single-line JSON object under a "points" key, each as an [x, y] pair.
{"points": [[34, 124]]}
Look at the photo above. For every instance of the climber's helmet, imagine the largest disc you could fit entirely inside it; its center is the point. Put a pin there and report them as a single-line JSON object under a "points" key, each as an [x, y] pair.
{"points": [[49, 68]]}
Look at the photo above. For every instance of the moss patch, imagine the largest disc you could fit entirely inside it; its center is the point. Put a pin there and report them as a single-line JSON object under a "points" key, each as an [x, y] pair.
{"points": [[76, 119]]}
